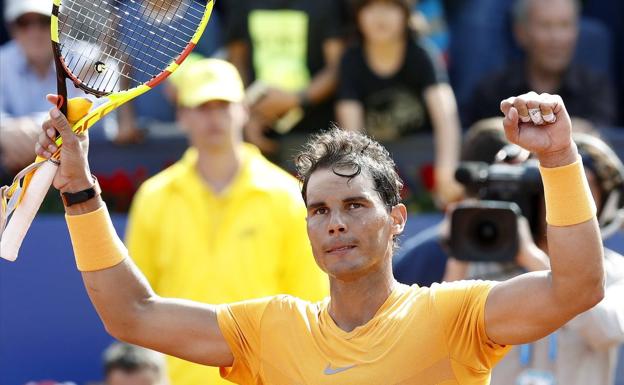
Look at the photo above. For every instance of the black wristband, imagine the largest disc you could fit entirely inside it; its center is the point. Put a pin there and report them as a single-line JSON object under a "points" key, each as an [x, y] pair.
{"points": [[70, 199]]}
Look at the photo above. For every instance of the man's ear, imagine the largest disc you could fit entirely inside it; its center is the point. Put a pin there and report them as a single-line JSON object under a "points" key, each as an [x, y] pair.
{"points": [[399, 218]]}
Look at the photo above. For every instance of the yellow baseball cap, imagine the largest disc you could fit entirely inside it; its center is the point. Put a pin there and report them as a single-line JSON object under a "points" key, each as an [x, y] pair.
{"points": [[209, 79]]}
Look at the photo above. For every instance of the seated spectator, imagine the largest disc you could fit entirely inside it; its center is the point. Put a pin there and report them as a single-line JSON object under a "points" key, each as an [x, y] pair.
{"points": [[390, 86], [26, 75], [290, 51], [126, 364], [547, 33]]}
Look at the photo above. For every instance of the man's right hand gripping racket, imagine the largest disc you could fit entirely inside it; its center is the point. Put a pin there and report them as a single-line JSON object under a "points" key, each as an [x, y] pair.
{"points": [[111, 49]]}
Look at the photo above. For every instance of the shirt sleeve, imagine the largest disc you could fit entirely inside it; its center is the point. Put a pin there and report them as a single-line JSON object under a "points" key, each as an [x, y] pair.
{"points": [[240, 324], [333, 28], [348, 88], [461, 308], [426, 63]]}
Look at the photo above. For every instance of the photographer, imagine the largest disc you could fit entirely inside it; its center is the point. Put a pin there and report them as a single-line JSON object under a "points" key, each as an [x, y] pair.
{"points": [[584, 351], [422, 258]]}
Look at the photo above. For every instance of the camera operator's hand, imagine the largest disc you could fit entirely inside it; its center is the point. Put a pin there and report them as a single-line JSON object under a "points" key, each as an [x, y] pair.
{"points": [[540, 124], [530, 256]]}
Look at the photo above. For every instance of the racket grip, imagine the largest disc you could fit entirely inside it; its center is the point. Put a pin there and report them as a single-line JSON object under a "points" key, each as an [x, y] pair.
{"points": [[25, 212]]}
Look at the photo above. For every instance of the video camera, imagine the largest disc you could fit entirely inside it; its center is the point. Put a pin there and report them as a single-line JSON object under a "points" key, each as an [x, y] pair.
{"points": [[487, 229]]}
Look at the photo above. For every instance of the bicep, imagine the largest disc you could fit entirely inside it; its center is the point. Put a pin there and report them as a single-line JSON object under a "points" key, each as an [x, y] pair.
{"points": [[524, 309], [182, 328]]}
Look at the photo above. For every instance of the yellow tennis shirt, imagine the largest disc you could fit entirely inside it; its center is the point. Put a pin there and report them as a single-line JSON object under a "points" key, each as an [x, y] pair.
{"points": [[249, 241], [420, 336]]}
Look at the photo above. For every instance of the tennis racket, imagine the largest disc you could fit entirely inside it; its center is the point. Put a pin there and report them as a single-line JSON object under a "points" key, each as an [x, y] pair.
{"points": [[111, 49]]}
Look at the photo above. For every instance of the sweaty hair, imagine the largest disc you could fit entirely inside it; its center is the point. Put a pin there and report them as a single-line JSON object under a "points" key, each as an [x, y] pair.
{"points": [[348, 154], [520, 10]]}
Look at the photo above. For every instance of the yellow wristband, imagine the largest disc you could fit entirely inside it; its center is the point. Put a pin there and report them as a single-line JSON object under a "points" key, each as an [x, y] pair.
{"points": [[96, 244], [568, 198]]}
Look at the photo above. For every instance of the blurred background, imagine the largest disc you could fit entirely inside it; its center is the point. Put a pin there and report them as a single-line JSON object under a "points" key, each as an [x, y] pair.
{"points": [[418, 85]]}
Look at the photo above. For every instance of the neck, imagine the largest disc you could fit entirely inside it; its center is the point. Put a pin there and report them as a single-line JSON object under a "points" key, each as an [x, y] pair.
{"points": [[541, 80], [219, 167], [354, 303], [385, 58]]}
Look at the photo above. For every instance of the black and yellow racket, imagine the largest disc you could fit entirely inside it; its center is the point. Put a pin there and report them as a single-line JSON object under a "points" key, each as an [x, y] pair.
{"points": [[112, 49]]}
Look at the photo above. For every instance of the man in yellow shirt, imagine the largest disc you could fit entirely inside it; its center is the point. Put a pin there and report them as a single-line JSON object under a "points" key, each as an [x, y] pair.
{"points": [[223, 224], [371, 330]]}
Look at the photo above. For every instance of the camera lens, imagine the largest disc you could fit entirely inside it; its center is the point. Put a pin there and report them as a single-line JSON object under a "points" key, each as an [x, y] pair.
{"points": [[486, 233]]}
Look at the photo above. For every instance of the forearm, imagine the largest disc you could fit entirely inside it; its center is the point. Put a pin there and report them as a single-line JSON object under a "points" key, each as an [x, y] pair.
{"points": [[446, 127], [322, 86], [117, 291], [576, 250]]}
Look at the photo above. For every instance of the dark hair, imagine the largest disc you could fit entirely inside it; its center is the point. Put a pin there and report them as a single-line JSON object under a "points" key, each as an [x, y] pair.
{"points": [[130, 358], [349, 154], [358, 5]]}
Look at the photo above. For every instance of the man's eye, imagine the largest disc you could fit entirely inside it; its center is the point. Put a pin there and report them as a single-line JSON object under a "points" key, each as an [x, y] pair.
{"points": [[354, 205], [320, 210]]}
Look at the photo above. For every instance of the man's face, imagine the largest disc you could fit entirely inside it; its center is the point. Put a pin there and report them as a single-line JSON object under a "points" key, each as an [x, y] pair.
{"points": [[214, 125], [549, 34], [144, 376], [350, 229], [32, 32]]}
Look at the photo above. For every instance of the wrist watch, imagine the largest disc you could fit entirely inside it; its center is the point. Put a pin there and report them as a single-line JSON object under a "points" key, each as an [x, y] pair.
{"points": [[72, 198]]}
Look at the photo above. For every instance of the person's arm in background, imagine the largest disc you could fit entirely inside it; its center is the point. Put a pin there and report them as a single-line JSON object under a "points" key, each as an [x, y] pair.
{"points": [[602, 327], [442, 108], [439, 99], [123, 299], [276, 102], [533, 305]]}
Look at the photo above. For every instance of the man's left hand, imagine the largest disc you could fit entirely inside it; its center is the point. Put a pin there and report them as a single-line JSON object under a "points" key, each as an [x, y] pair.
{"points": [[540, 124]]}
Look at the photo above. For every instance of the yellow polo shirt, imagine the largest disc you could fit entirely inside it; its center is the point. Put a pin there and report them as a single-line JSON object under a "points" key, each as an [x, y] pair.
{"points": [[249, 241], [419, 336]]}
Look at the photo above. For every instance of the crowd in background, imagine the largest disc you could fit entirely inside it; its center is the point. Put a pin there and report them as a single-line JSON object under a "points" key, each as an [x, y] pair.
{"points": [[396, 69]]}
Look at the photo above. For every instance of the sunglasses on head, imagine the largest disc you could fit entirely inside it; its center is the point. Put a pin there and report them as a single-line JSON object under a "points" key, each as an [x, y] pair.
{"points": [[24, 22]]}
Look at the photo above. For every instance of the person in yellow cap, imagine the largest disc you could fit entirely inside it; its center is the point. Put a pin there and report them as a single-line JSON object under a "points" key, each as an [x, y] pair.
{"points": [[223, 223]]}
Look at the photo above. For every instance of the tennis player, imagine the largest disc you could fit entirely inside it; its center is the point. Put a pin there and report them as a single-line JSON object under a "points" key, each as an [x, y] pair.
{"points": [[371, 330]]}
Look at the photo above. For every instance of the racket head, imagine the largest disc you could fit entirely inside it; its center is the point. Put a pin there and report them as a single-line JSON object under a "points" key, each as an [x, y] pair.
{"points": [[114, 46]]}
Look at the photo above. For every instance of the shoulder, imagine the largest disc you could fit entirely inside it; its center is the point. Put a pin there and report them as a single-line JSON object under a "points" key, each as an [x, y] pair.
{"points": [[270, 177], [163, 181]]}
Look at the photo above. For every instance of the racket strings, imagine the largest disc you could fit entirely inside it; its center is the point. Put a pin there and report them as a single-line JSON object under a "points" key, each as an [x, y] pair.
{"points": [[120, 44]]}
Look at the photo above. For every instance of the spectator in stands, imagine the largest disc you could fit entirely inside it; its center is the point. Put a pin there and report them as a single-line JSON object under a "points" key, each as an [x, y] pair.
{"points": [[222, 207], [290, 51], [392, 87], [26, 75], [126, 364], [422, 258], [547, 32]]}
